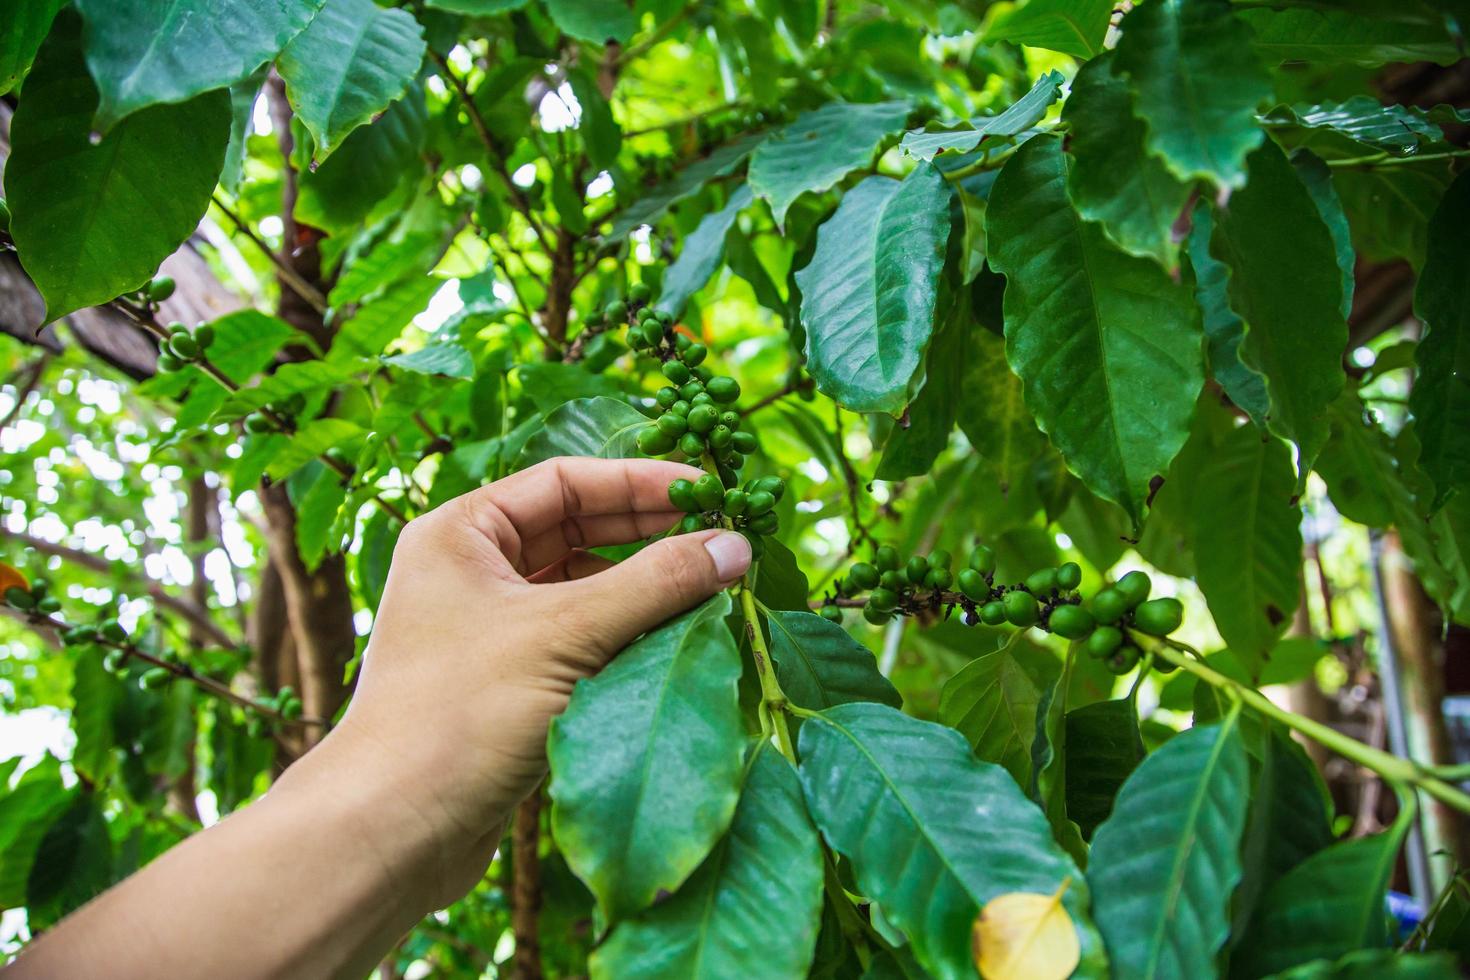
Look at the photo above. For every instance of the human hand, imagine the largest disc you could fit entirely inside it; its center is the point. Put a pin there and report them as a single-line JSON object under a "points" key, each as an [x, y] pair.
{"points": [[492, 612]]}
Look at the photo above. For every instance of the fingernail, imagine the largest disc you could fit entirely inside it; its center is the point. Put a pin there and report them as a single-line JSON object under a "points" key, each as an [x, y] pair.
{"points": [[731, 553]]}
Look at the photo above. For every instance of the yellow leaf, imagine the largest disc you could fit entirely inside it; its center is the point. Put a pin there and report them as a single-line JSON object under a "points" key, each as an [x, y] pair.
{"points": [[12, 578], [1025, 936]]}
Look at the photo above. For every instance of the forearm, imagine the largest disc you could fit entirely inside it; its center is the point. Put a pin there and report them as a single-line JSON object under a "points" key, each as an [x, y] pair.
{"points": [[319, 878]]}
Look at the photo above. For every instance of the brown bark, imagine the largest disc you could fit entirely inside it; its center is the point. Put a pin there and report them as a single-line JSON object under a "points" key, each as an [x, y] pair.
{"points": [[558, 308], [526, 889], [196, 532]]}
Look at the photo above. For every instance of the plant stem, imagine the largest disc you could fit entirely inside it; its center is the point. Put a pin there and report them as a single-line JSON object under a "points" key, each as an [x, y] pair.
{"points": [[1390, 767], [773, 699], [1386, 159]]}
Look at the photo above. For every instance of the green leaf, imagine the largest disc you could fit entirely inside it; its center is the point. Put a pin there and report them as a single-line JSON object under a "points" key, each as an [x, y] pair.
{"points": [[94, 221], [1440, 399], [1018, 117], [26, 813], [1104, 747], [993, 701], [819, 149], [1389, 209], [377, 324], [1224, 331], [993, 413], [1358, 467], [379, 535], [912, 448], [1399, 129], [1316, 177], [145, 52], [243, 95], [1108, 348], [780, 582], [1287, 289], [593, 20], [1115, 180], [450, 360], [1438, 546], [477, 8], [1067, 26], [310, 441], [360, 178], [387, 264], [348, 65], [95, 693], [1327, 37], [1164, 864], [763, 879], [1197, 85], [873, 776], [646, 761], [1248, 566], [26, 24], [601, 427], [701, 253], [600, 132], [316, 492], [551, 384], [1330, 904], [869, 294], [819, 665], [1377, 964], [73, 863], [652, 206]]}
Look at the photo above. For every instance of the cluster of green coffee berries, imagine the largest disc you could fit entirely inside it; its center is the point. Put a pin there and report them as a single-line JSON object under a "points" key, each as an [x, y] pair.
{"points": [[183, 346], [749, 509], [34, 598], [1047, 599]]}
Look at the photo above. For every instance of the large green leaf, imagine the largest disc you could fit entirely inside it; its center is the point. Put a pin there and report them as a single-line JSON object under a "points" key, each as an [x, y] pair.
{"points": [[1316, 177], [1249, 564], [1109, 349], [1018, 117], [931, 832], [993, 702], [820, 148], [701, 253], [26, 813], [1440, 398], [1377, 964], [1330, 904], [1362, 118], [1358, 467], [1438, 546], [819, 665], [1104, 747], [94, 220], [1389, 208], [1115, 180], [603, 427], [360, 178], [1224, 330], [1197, 85], [652, 206], [348, 65], [868, 296], [646, 761], [73, 863], [1326, 36], [993, 413], [1071, 27], [593, 20], [95, 692], [912, 448], [1285, 285], [26, 23], [763, 879], [1164, 864], [143, 52]]}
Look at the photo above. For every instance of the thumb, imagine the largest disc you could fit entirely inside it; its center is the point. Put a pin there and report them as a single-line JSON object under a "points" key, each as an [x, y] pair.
{"points": [[659, 582]]}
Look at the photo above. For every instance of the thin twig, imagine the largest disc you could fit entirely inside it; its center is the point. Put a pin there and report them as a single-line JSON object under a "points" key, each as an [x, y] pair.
{"points": [[25, 382], [289, 276]]}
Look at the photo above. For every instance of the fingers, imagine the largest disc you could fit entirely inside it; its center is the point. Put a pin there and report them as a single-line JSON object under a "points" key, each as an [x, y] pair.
{"points": [[536, 504], [661, 581], [594, 531], [570, 567]]}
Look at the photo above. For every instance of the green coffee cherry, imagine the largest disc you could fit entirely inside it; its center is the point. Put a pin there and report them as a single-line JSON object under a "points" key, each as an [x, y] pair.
{"points": [[615, 312], [159, 288], [732, 419], [112, 631], [993, 613], [639, 292], [831, 614], [204, 335], [666, 396], [258, 423], [884, 599], [1159, 617], [672, 425], [690, 523], [653, 441], [681, 495], [759, 502], [703, 418], [47, 604], [157, 677], [651, 331], [1122, 660], [720, 438], [1108, 606], [695, 354], [167, 362], [1071, 622], [939, 558], [736, 502], [690, 390], [691, 444], [676, 372], [767, 523], [875, 615], [1069, 576], [982, 560], [773, 485], [1104, 641], [114, 660], [1021, 608], [892, 580], [723, 390], [18, 598], [938, 578], [709, 492], [864, 576], [743, 442], [886, 558], [1042, 582], [973, 585], [681, 407], [915, 570], [1134, 587]]}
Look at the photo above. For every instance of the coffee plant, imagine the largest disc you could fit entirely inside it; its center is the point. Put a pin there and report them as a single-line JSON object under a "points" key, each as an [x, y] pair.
{"points": [[1036, 347]]}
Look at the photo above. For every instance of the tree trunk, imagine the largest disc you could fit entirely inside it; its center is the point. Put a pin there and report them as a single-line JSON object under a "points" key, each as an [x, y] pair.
{"points": [[526, 899]]}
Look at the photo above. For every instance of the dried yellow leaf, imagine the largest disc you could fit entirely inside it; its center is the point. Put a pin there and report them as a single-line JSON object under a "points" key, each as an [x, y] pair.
{"points": [[11, 578], [1025, 936]]}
